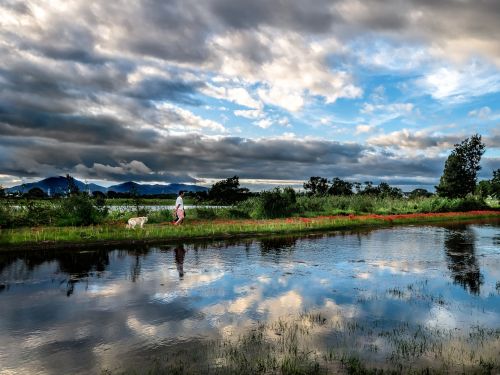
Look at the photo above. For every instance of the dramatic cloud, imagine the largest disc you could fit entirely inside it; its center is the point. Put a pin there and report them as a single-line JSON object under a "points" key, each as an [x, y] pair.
{"points": [[119, 90], [424, 140], [427, 140], [183, 157]]}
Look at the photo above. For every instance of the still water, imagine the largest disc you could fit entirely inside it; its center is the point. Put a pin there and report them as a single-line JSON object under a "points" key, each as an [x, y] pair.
{"points": [[119, 309]]}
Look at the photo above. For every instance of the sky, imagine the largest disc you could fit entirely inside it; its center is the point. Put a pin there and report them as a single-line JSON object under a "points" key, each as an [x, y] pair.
{"points": [[272, 91]]}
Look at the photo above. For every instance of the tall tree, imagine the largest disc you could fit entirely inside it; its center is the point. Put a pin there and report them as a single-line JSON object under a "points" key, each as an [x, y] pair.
{"points": [[369, 189], [316, 186], [340, 187], [228, 191], [385, 190], [72, 186], [35, 192], [495, 184], [419, 193], [460, 169]]}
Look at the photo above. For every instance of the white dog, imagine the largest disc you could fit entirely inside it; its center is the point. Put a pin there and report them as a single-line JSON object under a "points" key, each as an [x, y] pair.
{"points": [[132, 222]]}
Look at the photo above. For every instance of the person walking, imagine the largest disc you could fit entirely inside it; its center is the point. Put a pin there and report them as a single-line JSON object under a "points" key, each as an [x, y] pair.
{"points": [[179, 208]]}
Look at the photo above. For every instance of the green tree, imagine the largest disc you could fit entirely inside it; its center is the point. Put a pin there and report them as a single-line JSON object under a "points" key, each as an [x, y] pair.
{"points": [[419, 193], [228, 191], [495, 184], [137, 201], [79, 208], [385, 190], [460, 169], [369, 189], [72, 186], [484, 188], [35, 192], [316, 186], [2, 191], [340, 187], [98, 195]]}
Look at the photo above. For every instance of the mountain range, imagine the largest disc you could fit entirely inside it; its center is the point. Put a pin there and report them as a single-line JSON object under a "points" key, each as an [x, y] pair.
{"points": [[59, 185]]}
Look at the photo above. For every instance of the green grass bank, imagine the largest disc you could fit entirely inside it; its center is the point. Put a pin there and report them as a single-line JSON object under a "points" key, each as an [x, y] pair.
{"points": [[65, 237]]}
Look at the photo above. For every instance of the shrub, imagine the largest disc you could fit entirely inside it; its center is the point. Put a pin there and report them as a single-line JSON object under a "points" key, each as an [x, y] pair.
{"points": [[362, 204], [154, 217], [275, 203], [234, 213], [81, 209], [36, 213], [312, 203], [28, 213], [205, 213], [5, 215]]}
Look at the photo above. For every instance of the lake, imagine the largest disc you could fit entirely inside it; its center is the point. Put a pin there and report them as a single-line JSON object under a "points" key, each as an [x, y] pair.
{"points": [[398, 298]]}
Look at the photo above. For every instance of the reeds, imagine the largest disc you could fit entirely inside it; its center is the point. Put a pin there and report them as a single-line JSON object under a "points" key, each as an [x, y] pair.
{"points": [[314, 343]]}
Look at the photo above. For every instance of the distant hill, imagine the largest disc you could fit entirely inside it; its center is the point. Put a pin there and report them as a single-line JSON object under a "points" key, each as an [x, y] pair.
{"points": [[59, 185]]}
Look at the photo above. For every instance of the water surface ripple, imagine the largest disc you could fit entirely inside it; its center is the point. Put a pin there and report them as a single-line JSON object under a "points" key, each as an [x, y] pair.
{"points": [[83, 312]]}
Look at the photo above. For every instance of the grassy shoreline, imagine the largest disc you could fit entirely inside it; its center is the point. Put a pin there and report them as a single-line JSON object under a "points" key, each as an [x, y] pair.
{"points": [[76, 237]]}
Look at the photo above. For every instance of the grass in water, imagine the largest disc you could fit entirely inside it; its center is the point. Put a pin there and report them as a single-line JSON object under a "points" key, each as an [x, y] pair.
{"points": [[312, 343]]}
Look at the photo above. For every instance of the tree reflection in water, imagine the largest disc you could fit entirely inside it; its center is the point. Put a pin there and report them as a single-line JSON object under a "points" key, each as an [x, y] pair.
{"points": [[462, 261], [277, 245], [75, 265]]}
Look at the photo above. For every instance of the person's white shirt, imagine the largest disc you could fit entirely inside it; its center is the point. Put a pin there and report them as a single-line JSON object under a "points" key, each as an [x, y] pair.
{"points": [[179, 203]]}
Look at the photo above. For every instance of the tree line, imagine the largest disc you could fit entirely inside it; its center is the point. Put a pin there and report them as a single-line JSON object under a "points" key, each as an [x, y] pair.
{"points": [[458, 180]]}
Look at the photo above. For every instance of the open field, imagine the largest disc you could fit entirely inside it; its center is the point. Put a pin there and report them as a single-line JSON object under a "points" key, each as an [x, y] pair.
{"points": [[217, 228]]}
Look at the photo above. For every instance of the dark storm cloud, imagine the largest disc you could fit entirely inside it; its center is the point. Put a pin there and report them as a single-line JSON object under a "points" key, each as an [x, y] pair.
{"points": [[99, 130], [174, 30], [312, 16], [73, 54], [198, 156], [488, 166], [18, 7], [59, 80], [162, 89]]}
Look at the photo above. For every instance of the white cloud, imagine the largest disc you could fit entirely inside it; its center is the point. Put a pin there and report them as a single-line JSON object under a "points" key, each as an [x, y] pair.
{"points": [[249, 113], [414, 142], [459, 84], [289, 135], [382, 54], [284, 121], [378, 114], [9, 180], [290, 100], [360, 129], [264, 123], [238, 95], [176, 119], [393, 108], [482, 113], [267, 122], [290, 67]]}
